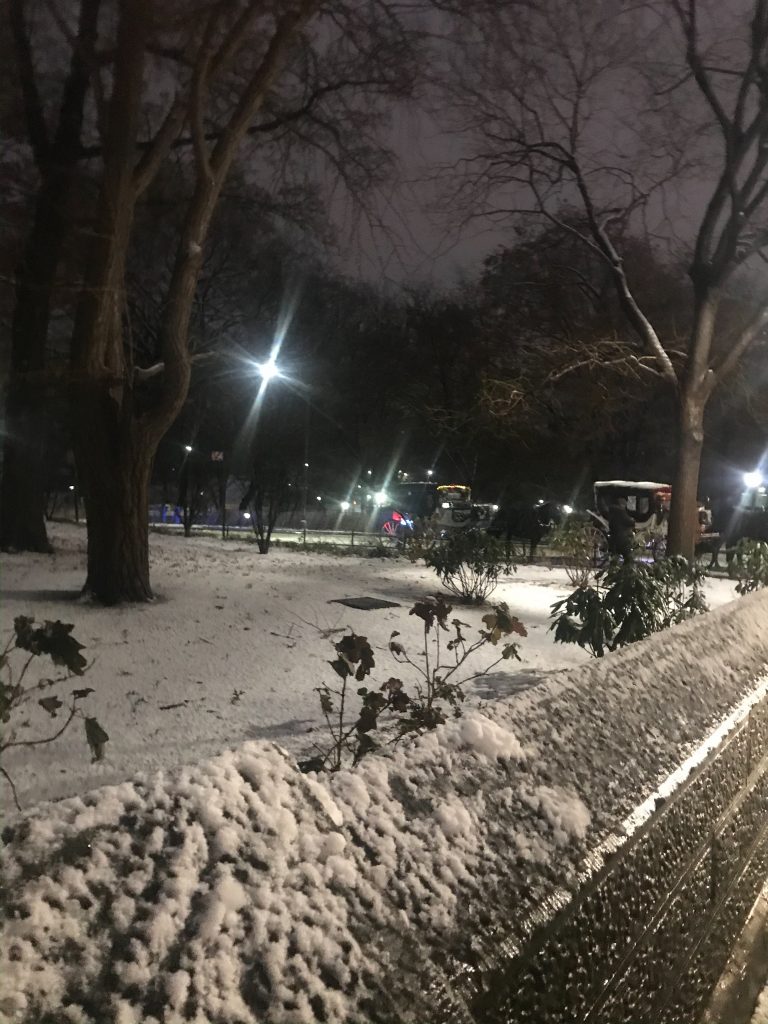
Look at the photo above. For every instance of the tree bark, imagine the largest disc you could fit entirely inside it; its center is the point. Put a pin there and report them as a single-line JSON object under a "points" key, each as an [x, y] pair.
{"points": [[114, 461], [22, 493], [22, 500], [684, 515]]}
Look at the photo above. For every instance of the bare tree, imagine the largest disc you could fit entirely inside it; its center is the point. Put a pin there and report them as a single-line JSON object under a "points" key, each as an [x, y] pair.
{"points": [[618, 107], [288, 76], [55, 145]]}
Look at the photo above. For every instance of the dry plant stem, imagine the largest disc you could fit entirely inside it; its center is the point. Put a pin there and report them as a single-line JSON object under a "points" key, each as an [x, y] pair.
{"points": [[9, 780], [47, 739]]}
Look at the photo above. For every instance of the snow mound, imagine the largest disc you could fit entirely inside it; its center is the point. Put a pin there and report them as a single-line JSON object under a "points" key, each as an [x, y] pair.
{"points": [[241, 891]]}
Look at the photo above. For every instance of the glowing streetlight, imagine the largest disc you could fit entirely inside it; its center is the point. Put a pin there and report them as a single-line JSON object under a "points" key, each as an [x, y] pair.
{"points": [[246, 515], [430, 472], [187, 448], [568, 509], [753, 478], [381, 497], [344, 506], [268, 370], [319, 498]]}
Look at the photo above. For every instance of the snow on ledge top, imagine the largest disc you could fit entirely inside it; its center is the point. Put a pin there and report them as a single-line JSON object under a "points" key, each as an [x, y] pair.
{"points": [[241, 890]]}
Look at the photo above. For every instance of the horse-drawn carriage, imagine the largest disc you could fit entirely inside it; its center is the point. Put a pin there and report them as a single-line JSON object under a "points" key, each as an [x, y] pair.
{"points": [[446, 506], [648, 504]]}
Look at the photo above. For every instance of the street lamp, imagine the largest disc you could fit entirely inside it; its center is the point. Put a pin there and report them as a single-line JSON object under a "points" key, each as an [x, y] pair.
{"points": [[430, 472], [268, 370], [344, 506], [753, 478], [187, 448]]}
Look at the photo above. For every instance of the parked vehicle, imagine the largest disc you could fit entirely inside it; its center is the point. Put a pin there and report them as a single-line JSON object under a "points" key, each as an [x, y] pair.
{"points": [[648, 503], [449, 506]]}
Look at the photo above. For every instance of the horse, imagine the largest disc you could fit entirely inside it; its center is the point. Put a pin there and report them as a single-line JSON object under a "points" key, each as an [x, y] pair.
{"points": [[733, 524], [530, 523]]}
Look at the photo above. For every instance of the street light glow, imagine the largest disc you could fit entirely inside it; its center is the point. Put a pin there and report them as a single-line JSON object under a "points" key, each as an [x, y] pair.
{"points": [[753, 478], [568, 509], [381, 497], [268, 370], [430, 472], [344, 506], [187, 447]]}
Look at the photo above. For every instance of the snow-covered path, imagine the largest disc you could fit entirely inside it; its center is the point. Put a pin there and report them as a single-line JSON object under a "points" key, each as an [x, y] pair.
{"points": [[232, 648]]}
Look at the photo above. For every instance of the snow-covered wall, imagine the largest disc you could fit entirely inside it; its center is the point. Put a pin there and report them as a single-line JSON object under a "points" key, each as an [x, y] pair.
{"points": [[515, 865]]}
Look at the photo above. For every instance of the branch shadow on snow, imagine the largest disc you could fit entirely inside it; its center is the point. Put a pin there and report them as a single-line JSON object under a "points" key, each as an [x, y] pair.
{"points": [[44, 596], [278, 730], [497, 685]]}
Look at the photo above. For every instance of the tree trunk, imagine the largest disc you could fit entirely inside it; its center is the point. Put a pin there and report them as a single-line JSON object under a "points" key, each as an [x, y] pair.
{"points": [[114, 463], [22, 495], [684, 515]]}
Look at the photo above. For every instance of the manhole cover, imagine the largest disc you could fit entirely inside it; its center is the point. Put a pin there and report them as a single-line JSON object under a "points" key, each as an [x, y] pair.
{"points": [[365, 604]]}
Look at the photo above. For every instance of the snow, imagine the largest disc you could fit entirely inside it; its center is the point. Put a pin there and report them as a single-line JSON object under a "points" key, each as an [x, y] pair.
{"points": [[235, 888], [214, 883], [760, 1016], [166, 675], [638, 485], [227, 619]]}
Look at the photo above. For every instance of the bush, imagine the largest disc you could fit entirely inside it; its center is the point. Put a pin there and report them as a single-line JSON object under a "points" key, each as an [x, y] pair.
{"points": [[627, 603], [54, 640], [749, 566], [468, 563], [398, 708], [578, 543]]}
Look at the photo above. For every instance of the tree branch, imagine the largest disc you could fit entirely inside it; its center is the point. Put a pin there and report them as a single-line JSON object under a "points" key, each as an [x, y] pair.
{"points": [[158, 148], [634, 314], [746, 337], [33, 105]]}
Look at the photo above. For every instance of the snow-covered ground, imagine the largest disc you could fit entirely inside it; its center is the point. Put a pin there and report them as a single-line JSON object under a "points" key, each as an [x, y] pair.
{"points": [[760, 1016], [240, 889], [233, 647]]}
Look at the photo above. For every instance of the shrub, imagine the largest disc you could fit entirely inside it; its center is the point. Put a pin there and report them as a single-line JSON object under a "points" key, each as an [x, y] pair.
{"points": [[383, 716], [578, 542], [380, 549], [468, 563], [54, 640], [749, 566], [627, 603]]}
